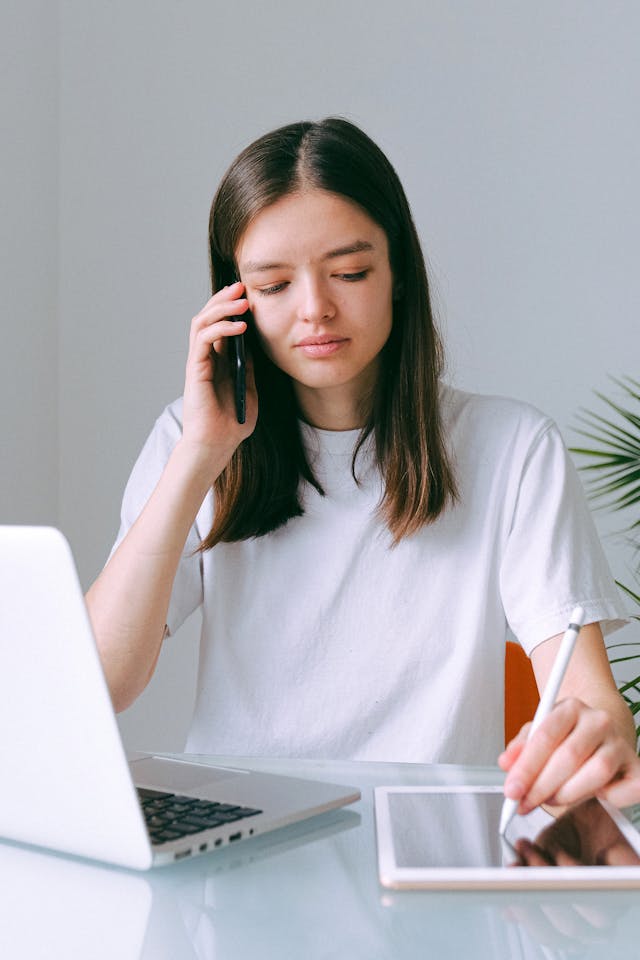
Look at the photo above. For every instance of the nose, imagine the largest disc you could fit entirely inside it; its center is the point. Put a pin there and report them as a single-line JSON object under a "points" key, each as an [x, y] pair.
{"points": [[316, 304]]}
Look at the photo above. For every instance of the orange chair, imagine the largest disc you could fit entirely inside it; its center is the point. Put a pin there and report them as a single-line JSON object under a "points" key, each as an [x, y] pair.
{"points": [[521, 695]]}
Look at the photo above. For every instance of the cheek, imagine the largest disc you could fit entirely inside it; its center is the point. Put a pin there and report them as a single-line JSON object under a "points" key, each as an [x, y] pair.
{"points": [[268, 331]]}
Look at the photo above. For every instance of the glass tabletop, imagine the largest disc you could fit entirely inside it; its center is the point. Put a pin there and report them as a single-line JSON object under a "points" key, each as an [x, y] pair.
{"points": [[310, 890]]}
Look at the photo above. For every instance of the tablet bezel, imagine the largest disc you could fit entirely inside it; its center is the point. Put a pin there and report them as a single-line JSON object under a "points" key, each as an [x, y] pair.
{"points": [[395, 877]]}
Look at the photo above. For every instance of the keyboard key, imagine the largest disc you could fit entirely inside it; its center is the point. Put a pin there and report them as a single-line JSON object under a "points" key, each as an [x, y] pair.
{"points": [[146, 794], [151, 808], [184, 828], [204, 823], [166, 835], [227, 817], [157, 821], [177, 809]]}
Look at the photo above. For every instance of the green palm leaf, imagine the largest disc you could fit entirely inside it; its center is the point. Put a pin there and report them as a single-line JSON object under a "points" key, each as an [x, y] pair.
{"points": [[613, 480], [614, 467]]}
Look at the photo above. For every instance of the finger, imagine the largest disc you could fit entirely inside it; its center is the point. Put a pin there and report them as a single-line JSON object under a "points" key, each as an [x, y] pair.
{"points": [[213, 336], [539, 747], [514, 748], [624, 789], [228, 293], [620, 855], [610, 771], [531, 855], [593, 776], [219, 345], [573, 768], [225, 295], [217, 308], [211, 318]]}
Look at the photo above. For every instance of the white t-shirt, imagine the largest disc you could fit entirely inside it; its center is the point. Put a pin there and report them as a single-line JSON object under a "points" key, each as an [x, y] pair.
{"points": [[323, 640]]}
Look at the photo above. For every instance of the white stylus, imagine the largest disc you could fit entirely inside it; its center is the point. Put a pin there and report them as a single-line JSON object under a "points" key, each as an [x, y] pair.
{"points": [[548, 698]]}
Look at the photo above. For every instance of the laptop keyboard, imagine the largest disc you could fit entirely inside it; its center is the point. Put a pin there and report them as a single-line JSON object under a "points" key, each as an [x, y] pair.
{"points": [[170, 816]]}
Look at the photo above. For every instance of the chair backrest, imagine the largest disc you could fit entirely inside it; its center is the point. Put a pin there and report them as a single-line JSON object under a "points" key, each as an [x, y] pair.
{"points": [[521, 695]]}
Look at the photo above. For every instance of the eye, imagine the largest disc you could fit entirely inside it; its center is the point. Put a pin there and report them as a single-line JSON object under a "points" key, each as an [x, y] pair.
{"points": [[353, 277], [274, 288]]}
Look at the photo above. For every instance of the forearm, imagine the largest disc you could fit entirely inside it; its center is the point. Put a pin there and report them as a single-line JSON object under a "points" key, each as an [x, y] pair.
{"points": [[588, 678], [129, 600]]}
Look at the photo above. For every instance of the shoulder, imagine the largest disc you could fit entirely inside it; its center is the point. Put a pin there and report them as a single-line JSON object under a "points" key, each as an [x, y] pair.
{"points": [[496, 436], [488, 417], [166, 430], [157, 448], [170, 420]]}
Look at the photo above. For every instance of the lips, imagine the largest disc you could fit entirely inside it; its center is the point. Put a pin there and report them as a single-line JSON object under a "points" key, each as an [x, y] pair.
{"points": [[322, 346], [317, 341]]}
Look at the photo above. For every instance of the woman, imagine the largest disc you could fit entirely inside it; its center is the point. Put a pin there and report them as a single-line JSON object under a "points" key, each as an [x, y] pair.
{"points": [[360, 543]]}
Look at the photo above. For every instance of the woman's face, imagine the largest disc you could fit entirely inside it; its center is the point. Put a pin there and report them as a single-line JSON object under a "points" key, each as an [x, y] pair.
{"points": [[318, 279]]}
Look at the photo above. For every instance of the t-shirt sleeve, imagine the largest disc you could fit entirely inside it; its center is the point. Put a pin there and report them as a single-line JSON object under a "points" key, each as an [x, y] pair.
{"points": [[553, 559], [186, 595]]}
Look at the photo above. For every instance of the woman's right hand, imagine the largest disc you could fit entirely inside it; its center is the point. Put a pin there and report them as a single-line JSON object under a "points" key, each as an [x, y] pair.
{"points": [[128, 602], [210, 426]]}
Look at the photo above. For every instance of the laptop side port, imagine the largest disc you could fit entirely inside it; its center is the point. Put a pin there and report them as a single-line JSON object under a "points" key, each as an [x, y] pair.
{"points": [[182, 854], [235, 836]]}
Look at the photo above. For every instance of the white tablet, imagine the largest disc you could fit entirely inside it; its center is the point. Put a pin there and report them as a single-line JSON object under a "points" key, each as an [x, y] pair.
{"points": [[447, 836]]}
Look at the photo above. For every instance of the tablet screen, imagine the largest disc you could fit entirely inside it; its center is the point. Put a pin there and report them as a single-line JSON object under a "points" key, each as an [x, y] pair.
{"points": [[460, 830]]}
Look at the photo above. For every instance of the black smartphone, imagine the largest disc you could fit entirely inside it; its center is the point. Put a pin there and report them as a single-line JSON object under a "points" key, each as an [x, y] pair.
{"points": [[237, 359], [239, 373]]}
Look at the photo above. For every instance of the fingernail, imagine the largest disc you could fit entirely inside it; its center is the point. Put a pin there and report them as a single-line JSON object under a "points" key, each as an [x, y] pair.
{"points": [[513, 789]]}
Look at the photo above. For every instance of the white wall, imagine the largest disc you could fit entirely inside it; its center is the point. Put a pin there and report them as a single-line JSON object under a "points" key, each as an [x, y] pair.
{"points": [[29, 263], [514, 127]]}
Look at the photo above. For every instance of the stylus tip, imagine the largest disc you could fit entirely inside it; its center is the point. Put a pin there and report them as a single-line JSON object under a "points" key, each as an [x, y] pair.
{"points": [[509, 808]]}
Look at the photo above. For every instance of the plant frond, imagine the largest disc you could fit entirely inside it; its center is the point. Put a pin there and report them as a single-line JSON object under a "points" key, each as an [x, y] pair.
{"points": [[627, 415], [629, 591], [618, 428], [613, 477], [617, 438], [629, 685]]}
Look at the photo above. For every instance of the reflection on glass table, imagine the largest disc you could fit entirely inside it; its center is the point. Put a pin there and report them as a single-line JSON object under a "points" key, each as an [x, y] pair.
{"points": [[306, 891]]}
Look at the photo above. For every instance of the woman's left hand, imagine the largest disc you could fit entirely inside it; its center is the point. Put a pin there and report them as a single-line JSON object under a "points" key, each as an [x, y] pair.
{"points": [[577, 752]]}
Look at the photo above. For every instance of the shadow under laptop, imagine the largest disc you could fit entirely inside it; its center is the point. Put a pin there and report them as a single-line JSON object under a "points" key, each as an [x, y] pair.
{"points": [[61, 906]]}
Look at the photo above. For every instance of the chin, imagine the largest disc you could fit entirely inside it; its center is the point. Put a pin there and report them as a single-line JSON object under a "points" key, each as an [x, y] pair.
{"points": [[324, 380]]}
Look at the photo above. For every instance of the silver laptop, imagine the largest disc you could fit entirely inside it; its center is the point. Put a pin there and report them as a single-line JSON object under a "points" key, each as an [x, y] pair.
{"points": [[66, 781]]}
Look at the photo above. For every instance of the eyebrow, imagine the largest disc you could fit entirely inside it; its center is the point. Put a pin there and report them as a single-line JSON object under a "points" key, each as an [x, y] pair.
{"points": [[358, 246]]}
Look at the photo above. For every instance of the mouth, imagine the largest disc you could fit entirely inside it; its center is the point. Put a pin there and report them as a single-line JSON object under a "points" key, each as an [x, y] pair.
{"points": [[322, 346], [320, 341]]}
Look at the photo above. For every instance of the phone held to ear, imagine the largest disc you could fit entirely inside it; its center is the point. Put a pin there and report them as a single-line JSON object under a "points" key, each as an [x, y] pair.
{"points": [[237, 359], [238, 363]]}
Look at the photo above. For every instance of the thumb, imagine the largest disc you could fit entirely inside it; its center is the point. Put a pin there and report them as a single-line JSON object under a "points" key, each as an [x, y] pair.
{"points": [[514, 748]]}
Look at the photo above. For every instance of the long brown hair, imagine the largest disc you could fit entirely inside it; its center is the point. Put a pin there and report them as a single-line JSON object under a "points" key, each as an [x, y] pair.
{"points": [[259, 490]]}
